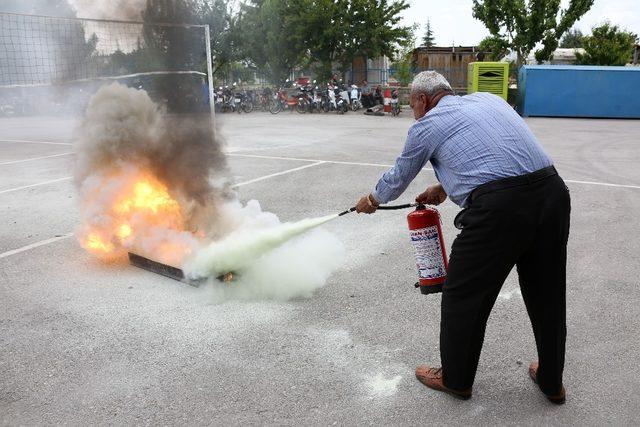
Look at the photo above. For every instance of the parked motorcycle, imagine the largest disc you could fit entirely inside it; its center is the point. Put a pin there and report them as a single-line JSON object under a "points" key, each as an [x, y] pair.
{"points": [[242, 102], [326, 103], [282, 102], [266, 99], [227, 100], [218, 99], [316, 104], [341, 101], [395, 103], [355, 98], [305, 100]]}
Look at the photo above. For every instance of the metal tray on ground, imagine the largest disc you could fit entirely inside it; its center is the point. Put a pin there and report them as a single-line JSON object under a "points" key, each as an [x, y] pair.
{"points": [[166, 270]]}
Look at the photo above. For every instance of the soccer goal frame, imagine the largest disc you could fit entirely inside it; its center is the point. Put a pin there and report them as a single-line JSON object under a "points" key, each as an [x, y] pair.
{"points": [[20, 35]]}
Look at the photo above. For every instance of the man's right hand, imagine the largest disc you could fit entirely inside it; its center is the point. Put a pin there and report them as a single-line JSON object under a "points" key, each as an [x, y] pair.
{"points": [[433, 195]]}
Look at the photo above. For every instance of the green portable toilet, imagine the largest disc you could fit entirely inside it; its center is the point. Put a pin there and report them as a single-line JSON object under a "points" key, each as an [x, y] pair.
{"points": [[492, 77]]}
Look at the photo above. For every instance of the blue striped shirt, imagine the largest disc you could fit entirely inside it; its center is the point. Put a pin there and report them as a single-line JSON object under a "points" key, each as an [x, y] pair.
{"points": [[470, 140]]}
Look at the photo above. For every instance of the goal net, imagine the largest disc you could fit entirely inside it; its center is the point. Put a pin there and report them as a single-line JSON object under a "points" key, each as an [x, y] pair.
{"points": [[51, 65]]}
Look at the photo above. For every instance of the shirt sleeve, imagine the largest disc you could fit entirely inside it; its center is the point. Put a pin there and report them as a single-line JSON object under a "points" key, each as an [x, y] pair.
{"points": [[415, 155]]}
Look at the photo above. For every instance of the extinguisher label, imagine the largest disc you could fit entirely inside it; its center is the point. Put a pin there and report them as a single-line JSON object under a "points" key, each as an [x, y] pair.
{"points": [[429, 258]]}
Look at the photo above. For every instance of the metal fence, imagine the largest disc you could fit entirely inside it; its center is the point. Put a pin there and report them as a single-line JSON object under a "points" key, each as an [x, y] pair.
{"points": [[54, 64], [374, 76], [382, 76]]}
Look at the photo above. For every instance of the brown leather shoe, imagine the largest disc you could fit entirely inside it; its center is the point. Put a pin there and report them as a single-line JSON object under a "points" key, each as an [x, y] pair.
{"points": [[559, 398], [432, 378]]}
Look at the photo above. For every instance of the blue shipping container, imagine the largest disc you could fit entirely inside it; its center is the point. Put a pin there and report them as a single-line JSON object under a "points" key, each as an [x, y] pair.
{"points": [[579, 91]]}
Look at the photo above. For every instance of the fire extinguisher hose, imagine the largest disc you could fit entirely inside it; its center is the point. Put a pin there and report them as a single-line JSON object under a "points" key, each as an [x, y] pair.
{"points": [[384, 208]]}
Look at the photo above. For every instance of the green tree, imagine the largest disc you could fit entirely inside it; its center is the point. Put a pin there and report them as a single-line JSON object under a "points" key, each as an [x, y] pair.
{"points": [[429, 39], [607, 45], [173, 48], [402, 68], [223, 30], [376, 29], [494, 48], [522, 24], [337, 31], [173, 45], [322, 28], [270, 37], [572, 39]]}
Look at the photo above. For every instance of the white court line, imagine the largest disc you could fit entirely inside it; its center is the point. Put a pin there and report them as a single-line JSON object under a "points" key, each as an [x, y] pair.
{"points": [[262, 178], [34, 142], [35, 185], [13, 162], [316, 163], [66, 236], [603, 183], [334, 162], [35, 245], [236, 185], [606, 184], [230, 153], [298, 159]]}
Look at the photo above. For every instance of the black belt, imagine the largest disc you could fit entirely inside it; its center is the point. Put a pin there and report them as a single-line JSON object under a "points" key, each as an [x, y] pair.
{"points": [[513, 181], [501, 184]]}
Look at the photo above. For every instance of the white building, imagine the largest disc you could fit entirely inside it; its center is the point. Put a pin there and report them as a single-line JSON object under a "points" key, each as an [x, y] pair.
{"points": [[561, 56]]}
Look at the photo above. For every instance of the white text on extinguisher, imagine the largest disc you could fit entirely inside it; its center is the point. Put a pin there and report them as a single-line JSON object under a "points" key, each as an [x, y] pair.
{"points": [[429, 257]]}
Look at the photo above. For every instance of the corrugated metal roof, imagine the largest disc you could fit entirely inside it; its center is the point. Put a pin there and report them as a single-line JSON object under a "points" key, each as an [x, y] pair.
{"points": [[447, 49], [582, 67]]}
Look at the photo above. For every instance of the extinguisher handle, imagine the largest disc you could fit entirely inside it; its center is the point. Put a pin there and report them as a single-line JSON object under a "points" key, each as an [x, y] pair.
{"points": [[397, 207], [384, 208]]}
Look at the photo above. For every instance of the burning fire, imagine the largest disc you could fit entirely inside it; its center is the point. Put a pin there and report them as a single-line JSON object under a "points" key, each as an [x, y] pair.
{"points": [[124, 231], [148, 195], [94, 242], [135, 212]]}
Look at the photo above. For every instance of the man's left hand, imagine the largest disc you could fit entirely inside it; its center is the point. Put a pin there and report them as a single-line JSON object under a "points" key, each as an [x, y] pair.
{"points": [[367, 204]]}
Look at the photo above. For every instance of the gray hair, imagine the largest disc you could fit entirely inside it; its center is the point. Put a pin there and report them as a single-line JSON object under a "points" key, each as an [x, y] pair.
{"points": [[430, 82]]}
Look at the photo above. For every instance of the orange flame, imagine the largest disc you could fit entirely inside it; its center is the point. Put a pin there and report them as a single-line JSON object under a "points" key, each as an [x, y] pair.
{"points": [[141, 207], [95, 243], [124, 231], [148, 194]]}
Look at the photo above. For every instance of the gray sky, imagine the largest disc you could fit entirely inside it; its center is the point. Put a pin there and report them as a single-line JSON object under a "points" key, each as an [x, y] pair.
{"points": [[451, 20]]}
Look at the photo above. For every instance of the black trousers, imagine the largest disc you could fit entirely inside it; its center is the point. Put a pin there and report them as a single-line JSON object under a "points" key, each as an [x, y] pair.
{"points": [[526, 225], [367, 100]]}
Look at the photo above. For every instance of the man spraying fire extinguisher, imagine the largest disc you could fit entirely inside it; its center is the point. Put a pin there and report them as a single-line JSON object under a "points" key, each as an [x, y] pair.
{"points": [[515, 213]]}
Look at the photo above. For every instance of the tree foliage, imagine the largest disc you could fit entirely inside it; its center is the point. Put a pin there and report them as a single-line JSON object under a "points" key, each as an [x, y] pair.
{"points": [[272, 36], [522, 24], [607, 45], [429, 39], [494, 48], [279, 35], [269, 36], [572, 39], [171, 48], [337, 31], [402, 67], [174, 45], [223, 30]]}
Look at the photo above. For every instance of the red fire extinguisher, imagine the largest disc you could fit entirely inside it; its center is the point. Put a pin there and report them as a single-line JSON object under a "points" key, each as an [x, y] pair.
{"points": [[431, 255]]}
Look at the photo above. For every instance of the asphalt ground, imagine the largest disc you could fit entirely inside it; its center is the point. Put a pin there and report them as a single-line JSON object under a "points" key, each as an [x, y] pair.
{"points": [[87, 343]]}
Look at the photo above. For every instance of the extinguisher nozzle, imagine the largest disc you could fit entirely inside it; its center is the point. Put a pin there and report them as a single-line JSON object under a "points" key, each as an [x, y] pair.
{"points": [[347, 211]]}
